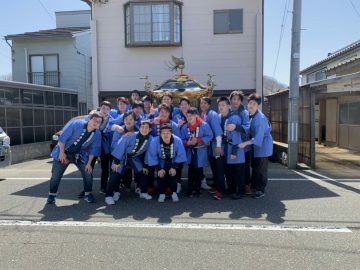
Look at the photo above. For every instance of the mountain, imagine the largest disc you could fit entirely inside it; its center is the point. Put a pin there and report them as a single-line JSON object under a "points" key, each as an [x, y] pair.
{"points": [[271, 85]]}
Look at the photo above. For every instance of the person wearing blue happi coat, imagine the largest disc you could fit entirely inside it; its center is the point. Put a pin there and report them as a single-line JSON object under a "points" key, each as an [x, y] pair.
{"points": [[79, 143], [196, 135], [262, 144], [212, 119], [130, 152], [180, 119], [166, 153], [122, 104], [229, 160], [236, 99], [106, 139]]}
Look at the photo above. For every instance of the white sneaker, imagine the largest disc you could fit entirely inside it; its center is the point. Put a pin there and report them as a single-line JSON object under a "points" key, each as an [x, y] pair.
{"points": [[145, 196], [174, 197], [109, 200], [116, 196], [161, 198], [204, 185], [178, 188], [138, 190]]}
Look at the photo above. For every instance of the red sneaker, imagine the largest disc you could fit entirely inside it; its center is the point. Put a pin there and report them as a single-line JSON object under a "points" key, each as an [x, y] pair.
{"points": [[218, 196], [212, 190]]}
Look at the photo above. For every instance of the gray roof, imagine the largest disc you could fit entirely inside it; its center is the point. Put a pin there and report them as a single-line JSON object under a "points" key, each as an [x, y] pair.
{"points": [[340, 52], [50, 33]]}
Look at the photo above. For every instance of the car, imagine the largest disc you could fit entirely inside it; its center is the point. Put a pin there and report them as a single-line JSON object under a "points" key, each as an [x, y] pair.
{"points": [[5, 149]]}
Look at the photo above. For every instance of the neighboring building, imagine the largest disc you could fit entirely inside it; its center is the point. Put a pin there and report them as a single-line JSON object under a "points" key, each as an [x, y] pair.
{"points": [[59, 57], [336, 84], [132, 39]]}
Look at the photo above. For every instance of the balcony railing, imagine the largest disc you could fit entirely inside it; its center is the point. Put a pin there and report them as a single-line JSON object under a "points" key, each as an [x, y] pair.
{"points": [[51, 78]]}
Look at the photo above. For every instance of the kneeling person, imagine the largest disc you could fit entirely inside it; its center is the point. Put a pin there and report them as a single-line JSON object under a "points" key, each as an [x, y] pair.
{"points": [[130, 151], [167, 152]]}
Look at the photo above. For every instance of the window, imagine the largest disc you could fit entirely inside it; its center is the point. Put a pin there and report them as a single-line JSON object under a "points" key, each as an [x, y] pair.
{"points": [[316, 76], [153, 23], [350, 113], [44, 70], [228, 21]]}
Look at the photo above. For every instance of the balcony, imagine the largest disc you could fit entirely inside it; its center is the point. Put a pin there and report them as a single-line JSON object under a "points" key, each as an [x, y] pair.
{"points": [[50, 78]]}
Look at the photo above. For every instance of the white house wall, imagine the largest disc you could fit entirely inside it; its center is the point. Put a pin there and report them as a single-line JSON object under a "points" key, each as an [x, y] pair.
{"points": [[235, 59], [71, 65]]}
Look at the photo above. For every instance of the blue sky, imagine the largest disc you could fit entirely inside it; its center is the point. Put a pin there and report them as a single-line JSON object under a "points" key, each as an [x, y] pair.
{"points": [[328, 26]]}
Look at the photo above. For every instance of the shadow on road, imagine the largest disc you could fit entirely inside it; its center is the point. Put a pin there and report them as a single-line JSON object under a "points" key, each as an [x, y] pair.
{"points": [[131, 207]]}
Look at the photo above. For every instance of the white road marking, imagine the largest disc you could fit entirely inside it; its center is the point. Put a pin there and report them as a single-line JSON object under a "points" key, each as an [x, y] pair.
{"points": [[299, 228]]}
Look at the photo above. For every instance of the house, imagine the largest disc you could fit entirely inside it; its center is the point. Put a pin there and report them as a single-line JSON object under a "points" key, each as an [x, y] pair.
{"points": [[59, 57], [133, 39], [335, 81]]}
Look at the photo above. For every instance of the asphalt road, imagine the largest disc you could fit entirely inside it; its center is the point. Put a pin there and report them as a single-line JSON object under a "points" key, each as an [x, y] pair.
{"points": [[305, 221]]}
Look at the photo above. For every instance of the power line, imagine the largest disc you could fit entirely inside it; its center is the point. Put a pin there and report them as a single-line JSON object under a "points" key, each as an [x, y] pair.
{"points": [[354, 7], [47, 11], [283, 24]]}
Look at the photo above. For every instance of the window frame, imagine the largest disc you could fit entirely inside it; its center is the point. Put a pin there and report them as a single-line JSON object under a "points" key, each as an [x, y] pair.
{"points": [[228, 11], [44, 72], [171, 43]]}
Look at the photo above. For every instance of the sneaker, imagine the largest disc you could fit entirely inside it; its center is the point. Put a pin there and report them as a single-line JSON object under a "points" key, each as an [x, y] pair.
{"points": [[81, 195], [138, 190], [212, 190], [89, 198], [178, 188], [145, 196], [258, 194], [174, 197], [116, 196], [161, 198], [218, 196], [237, 196], [204, 185], [109, 200], [51, 199]]}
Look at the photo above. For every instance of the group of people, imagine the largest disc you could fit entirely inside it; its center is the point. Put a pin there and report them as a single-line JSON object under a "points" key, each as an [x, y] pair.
{"points": [[137, 143]]}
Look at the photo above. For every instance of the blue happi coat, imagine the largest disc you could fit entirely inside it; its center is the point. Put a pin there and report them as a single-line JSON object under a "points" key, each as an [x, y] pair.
{"points": [[244, 128], [106, 137], [230, 140], [155, 157], [72, 131], [197, 155], [260, 133], [212, 119], [155, 130], [123, 151]]}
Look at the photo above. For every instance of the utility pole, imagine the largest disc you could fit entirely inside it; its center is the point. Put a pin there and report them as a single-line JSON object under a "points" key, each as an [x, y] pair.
{"points": [[293, 120]]}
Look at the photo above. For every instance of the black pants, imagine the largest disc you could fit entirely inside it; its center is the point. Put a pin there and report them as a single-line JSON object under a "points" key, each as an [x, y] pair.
{"points": [[105, 169], [247, 167], [151, 177], [167, 181], [113, 184], [194, 179], [141, 181], [235, 177], [179, 172], [259, 176], [127, 177], [219, 175]]}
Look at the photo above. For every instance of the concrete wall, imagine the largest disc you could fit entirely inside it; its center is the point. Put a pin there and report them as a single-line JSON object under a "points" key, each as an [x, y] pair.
{"points": [[80, 18], [235, 59], [24, 152]]}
